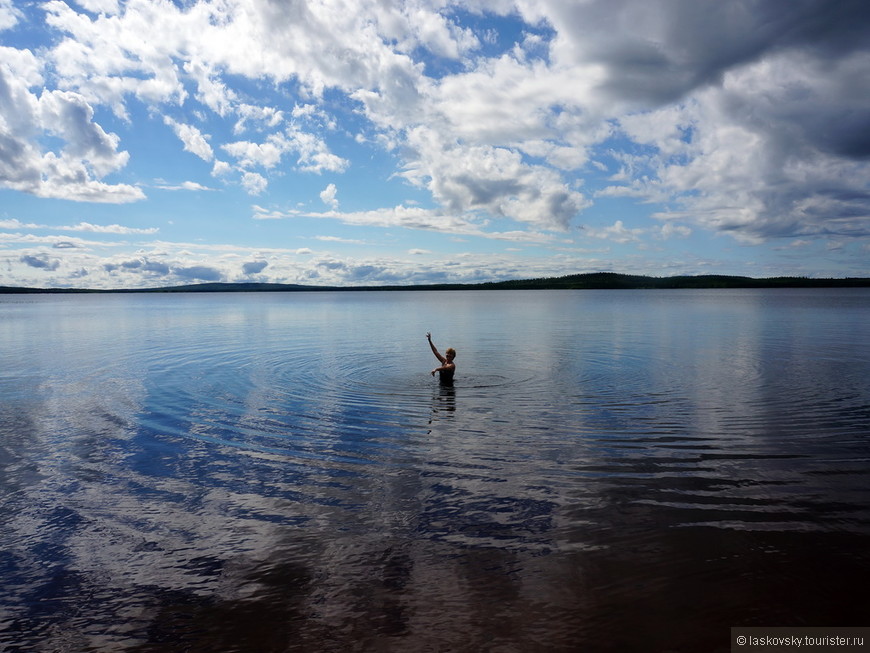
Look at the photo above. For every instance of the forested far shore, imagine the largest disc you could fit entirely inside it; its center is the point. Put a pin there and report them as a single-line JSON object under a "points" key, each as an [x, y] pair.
{"points": [[588, 281]]}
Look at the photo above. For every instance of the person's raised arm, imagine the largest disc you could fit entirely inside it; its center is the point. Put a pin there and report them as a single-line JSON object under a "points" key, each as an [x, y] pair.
{"points": [[434, 350]]}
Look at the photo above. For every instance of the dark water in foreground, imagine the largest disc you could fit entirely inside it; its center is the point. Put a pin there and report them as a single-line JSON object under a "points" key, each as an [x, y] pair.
{"points": [[627, 471]]}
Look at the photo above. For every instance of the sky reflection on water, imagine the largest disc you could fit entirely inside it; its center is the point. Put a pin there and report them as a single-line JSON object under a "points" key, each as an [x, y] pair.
{"points": [[280, 472]]}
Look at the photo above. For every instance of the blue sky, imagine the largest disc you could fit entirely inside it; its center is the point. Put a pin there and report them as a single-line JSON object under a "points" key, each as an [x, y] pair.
{"points": [[152, 143]]}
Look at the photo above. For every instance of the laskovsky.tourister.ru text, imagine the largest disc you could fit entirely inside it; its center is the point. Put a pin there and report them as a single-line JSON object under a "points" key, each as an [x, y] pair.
{"points": [[806, 640]]}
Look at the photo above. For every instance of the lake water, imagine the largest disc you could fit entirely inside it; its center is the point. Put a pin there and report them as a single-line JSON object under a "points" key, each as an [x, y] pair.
{"points": [[626, 471]]}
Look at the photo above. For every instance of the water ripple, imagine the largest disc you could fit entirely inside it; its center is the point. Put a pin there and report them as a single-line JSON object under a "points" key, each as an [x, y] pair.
{"points": [[174, 467]]}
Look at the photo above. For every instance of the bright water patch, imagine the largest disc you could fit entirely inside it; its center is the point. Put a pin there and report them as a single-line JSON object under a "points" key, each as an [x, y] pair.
{"points": [[281, 472]]}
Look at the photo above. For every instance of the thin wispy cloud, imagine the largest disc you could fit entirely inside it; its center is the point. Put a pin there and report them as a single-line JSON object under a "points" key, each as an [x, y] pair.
{"points": [[338, 239], [14, 223], [185, 185]]}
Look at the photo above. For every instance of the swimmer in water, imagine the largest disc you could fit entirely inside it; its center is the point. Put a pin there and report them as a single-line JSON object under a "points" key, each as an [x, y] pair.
{"points": [[448, 367]]}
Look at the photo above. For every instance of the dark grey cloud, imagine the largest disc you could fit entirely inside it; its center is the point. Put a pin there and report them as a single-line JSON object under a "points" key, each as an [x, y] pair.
{"points": [[151, 268], [15, 165], [771, 96], [199, 273], [254, 267], [826, 212], [366, 272], [479, 191], [811, 105], [40, 262], [387, 274], [145, 266], [155, 268], [332, 265], [656, 51]]}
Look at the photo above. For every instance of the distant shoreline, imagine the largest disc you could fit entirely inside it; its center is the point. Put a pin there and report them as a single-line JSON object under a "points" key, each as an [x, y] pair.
{"points": [[589, 281]]}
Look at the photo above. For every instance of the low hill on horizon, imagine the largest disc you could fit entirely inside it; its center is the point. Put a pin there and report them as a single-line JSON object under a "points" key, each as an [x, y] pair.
{"points": [[588, 281]]}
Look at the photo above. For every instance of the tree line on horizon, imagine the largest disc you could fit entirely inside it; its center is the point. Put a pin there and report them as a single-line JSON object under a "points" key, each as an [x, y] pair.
{"points": [[583, 281]]}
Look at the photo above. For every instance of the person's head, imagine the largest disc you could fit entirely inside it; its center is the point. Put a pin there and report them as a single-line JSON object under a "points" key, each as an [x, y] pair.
{"points": [[450, 353]]}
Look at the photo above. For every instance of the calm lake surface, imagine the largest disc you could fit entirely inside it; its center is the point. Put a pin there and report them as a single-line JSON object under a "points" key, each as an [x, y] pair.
{"points": [[613, 470]]}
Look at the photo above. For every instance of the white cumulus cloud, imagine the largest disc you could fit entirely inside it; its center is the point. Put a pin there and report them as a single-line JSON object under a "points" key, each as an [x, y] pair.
{"points": [[194, 140], [327, 195]]}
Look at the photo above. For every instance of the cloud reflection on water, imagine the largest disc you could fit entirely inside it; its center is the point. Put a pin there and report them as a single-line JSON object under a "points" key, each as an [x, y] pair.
{"points": [[195, 477]]}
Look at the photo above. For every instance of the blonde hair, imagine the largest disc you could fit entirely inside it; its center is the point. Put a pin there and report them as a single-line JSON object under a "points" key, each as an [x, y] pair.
{"points": [[450, 351]]}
